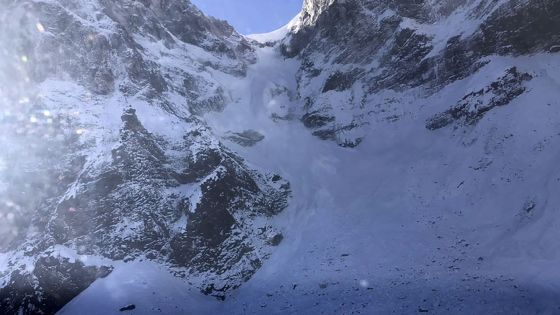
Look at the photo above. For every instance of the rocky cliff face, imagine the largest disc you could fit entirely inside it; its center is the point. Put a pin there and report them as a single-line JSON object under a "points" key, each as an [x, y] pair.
{"points": [[354, 51], [105, 157]]}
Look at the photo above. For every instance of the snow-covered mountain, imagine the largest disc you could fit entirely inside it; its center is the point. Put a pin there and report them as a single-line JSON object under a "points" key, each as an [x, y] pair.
{"points": [[357, 54], [372, 156], [106, 157]]}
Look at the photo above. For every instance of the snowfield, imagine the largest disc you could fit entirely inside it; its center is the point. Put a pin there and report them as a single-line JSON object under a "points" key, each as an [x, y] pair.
{"points": [[452, 221]]}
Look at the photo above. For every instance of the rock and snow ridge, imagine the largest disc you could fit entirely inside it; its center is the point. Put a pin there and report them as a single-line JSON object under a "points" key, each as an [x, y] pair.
{"points": [[108, 155], [169, 142]]}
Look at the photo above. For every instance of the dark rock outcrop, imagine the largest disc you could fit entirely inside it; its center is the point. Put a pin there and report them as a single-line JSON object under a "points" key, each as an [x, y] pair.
{"points": [[247, 138], [52, 284], [475, 105]]}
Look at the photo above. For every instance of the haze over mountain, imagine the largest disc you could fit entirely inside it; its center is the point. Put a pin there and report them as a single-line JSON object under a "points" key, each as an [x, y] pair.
{"points": [[372, 156]]}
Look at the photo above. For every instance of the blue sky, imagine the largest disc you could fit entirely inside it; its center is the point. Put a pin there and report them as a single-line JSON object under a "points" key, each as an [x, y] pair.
{"points": [[252, 16]]}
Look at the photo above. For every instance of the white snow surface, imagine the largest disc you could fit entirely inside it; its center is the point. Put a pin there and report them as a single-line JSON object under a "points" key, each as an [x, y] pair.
{"points": [[412, 220], [276, 35], [147, 286]]}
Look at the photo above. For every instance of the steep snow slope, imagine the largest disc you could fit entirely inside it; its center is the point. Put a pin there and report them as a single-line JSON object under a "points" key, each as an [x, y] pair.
{"points": [[276, 35], [411, 220], [354, 51], [449, 203], [460, 221]]}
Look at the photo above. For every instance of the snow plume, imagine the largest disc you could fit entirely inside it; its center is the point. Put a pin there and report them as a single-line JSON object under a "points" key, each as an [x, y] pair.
{"points": [[23, 124]]}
